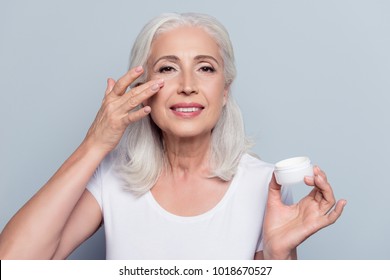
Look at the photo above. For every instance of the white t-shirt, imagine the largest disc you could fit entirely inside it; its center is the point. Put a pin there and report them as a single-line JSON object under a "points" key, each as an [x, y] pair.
{"points": [[139, 228]]}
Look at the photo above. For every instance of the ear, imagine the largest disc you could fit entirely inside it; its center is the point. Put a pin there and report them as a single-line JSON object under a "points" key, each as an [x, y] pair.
{"points": [[226, 94]]}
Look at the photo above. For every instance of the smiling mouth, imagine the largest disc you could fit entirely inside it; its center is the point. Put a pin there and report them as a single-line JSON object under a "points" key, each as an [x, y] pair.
{"points": [[187, 109]]}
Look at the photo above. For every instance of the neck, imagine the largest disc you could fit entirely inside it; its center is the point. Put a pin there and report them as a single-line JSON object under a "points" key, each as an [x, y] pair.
{"points": [[188, 156]]}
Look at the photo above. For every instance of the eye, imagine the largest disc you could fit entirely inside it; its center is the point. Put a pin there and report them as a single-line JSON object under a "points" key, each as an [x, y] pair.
{"points": [[208, 69], [166, 69]]}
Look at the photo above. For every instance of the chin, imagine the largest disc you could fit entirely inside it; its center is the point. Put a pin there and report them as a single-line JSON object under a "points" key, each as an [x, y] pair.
{"points": [[189, 133]]}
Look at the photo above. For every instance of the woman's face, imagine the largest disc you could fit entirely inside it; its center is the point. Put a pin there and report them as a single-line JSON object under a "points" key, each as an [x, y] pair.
{"points": [[194, 92]]}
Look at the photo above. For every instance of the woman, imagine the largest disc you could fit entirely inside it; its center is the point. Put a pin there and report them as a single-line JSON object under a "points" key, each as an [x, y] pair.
{"points": [[165, 166]]}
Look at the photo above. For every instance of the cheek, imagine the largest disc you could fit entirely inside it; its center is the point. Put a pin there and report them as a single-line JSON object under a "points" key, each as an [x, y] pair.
{"points": [[163, 95], [218, 94], [158, 101]]}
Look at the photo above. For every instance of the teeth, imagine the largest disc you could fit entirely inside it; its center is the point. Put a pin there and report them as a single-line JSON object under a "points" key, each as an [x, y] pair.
{"points": [[187, 110]]}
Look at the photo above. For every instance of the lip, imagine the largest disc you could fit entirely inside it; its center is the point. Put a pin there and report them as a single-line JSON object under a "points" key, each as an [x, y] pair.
{"points": [[187, 110]]}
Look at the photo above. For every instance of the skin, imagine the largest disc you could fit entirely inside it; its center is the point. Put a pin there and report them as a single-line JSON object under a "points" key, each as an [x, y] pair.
{"points": [[185, 66], [189, 61]]}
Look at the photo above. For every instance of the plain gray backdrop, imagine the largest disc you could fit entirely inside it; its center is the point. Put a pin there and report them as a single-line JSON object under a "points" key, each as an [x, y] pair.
{"points": [[313, 79]]}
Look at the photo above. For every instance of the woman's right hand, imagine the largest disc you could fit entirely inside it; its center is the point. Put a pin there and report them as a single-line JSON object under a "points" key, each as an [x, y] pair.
{"points": [[115, 113]]}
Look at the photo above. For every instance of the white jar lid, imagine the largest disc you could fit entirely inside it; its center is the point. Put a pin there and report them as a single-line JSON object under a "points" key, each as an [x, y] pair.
{"points": [[292, 164]]}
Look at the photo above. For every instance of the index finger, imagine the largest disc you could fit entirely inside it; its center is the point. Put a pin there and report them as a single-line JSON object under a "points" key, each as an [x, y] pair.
{"points": [[125, 81], [323, 185]]}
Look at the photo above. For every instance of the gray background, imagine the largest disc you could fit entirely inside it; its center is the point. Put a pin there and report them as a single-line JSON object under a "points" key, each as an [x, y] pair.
{"points": [[313, 79]]}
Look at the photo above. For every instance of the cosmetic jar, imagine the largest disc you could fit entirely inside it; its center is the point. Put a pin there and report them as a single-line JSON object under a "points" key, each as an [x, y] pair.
{"points": [[293, 170]]}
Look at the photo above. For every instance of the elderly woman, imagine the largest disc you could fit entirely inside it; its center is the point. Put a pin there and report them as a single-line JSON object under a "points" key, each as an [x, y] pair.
{"points": [[165, 166]]}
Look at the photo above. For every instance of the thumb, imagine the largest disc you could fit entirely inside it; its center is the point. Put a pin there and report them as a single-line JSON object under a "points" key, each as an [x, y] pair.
{"points": [[110, 85], [274, 191]]}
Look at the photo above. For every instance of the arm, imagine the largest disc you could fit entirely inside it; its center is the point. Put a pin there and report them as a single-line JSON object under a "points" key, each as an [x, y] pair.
{"points": [[50, 224], [36, 229], [85, 219]]}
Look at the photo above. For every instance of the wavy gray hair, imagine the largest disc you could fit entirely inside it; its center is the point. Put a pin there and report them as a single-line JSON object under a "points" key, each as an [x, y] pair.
{"points": [[141, 151]]}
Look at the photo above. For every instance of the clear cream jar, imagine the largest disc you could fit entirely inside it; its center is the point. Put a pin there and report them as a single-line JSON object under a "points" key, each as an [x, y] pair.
{"points": [[293, 170]]}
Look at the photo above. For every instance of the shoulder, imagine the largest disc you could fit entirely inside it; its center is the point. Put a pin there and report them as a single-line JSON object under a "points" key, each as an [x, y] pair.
{"points": [[255, 171], [253, 163], [252, 170], [104, 170], [251, 184]]}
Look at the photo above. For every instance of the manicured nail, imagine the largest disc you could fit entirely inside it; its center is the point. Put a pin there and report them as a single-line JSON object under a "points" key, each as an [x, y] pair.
{"points": [[147, 109], [138, 69], [155, 87]]}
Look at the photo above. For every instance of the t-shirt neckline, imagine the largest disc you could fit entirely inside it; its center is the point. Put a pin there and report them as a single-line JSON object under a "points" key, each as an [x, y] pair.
{"points": [[165, 213]]}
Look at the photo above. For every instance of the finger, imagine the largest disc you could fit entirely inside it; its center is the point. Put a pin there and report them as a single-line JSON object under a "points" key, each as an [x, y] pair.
{"points": [[337, 211], [322, 184], [322, 188], [144, 86], [315, 193], [318, 170], [125, 81], [137, 115], [318, 196], [140, 94], [309, 180], [110, 86]]}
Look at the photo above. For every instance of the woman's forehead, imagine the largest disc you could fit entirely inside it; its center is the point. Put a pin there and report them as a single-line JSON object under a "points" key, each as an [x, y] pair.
{"points": [[183, 41]]}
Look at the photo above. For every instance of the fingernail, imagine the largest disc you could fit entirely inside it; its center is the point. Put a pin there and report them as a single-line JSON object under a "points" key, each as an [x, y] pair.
{"points": [[147, 109], [155, 87], [138, 69]]}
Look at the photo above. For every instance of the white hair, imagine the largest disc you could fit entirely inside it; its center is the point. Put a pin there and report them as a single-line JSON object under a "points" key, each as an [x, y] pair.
{"points": [[141, 151]]}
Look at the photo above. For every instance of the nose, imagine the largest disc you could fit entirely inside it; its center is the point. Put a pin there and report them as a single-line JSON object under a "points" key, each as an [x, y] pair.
{"points": [[187, 84]]}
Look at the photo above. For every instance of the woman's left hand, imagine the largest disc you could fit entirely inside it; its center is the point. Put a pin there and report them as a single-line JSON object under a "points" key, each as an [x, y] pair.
{"points": [[287, 226]]}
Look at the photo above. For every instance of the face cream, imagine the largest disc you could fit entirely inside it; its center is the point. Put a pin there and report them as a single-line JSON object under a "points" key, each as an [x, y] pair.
{"points": [[293, 170]]}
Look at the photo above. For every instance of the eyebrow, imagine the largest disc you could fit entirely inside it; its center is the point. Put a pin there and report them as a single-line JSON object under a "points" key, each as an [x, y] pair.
{"points": [[175, 58]]}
